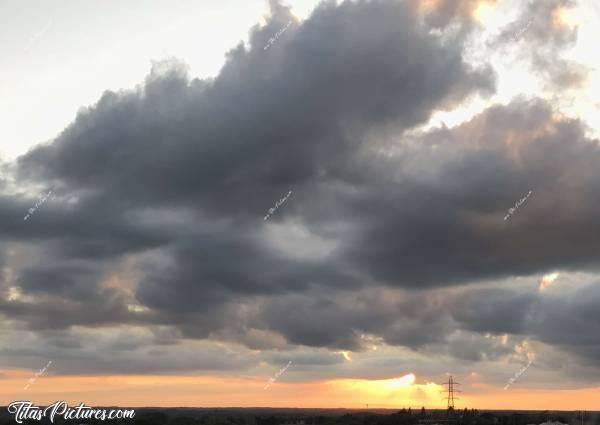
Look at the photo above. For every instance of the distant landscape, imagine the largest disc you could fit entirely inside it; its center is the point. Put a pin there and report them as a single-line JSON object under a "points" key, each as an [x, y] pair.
{"points": [[333, 209], [281, 416]]}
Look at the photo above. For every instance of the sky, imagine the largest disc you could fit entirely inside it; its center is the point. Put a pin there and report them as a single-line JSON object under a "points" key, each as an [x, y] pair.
{"points": [[301, 204]]}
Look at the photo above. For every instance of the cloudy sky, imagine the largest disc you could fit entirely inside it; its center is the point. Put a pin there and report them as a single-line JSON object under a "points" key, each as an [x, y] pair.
{"points": [[310, 204]]}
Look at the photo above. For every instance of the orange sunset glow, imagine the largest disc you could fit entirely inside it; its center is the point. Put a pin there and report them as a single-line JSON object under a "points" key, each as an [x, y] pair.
{"points": [[202, 391]]}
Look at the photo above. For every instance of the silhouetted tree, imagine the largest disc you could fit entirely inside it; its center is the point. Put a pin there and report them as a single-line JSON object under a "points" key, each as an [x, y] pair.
{"points": [[450, 411]]}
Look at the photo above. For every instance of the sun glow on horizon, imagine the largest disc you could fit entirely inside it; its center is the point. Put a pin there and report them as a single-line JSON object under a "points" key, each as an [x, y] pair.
{"points": [[403, 381], [394, 391]]}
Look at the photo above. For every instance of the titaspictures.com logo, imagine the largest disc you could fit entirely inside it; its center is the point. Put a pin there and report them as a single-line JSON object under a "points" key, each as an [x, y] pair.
{"points": [[24, 410]]}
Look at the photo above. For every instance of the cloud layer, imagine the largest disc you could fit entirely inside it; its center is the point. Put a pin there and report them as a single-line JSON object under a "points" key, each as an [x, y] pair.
{"points": [[391, 232]]}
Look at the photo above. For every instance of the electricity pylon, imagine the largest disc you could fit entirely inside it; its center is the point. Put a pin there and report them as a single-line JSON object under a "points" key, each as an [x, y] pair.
{"points": [[451, 392]]}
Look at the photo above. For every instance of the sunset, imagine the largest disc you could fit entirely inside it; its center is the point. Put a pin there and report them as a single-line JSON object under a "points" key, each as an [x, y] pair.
{"points": [[382, 206]]}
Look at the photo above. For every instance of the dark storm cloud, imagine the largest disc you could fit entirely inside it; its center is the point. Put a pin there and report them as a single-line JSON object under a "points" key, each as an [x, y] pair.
{"points": [[417, 332], [78, 225], [226, 149], [73, 280], [494, 310], [568, 320], [212, 265], [314, 323], [443, 222], [337, 320], [185, 171], [572, 322], [121, 352], [268, 122], [105, 308], [475, 348]]}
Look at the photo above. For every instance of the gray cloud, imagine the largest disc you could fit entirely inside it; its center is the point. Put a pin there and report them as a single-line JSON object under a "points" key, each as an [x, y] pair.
{"points": [[494, 310], [173, 180], [544, 39], [225, 149], [123, 351], [571, 322]]}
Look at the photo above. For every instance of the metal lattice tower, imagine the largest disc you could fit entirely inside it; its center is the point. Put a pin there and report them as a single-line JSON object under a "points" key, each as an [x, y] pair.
{"points": [[451, 392]]}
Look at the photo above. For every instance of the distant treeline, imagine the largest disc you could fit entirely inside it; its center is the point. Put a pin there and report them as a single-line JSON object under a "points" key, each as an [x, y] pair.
{"points": [[193, 416]]}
